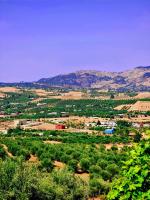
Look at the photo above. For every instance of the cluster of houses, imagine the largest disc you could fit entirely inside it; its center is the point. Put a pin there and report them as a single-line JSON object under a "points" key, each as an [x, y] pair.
{"points": [[111, 125], [107, 124]]}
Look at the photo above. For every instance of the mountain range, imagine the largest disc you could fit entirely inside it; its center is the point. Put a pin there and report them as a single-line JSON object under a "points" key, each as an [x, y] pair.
{"points": [[136, 79]]}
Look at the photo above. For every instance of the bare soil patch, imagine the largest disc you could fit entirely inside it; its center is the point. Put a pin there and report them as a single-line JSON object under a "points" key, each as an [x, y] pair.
{"points": [[52, 142], [6, 150], [5, 125], [110, 145], [59, 165], [142, 95], [33, 158], [2, 95], [73, 95], [41, 92], [140, 106], [42, 126], [9, 89]]}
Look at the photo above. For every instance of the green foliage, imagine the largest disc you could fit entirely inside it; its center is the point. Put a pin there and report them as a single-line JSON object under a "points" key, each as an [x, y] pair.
{"points": [[134, 182], [16, 180], [24, 182], [123, 124], [46, 164], [2, 153], [77, 157], [85, 164], [137, 137], [16, 103], [98, 186]]}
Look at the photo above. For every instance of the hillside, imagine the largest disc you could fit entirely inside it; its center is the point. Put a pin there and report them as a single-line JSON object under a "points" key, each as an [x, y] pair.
{"points": [[137, 79], [140, 106]]}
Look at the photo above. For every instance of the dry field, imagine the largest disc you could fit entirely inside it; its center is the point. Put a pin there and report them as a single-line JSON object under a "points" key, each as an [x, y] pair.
{"points": [[123, 107], [42, 93], [142, 95], [9, 89], [5, 125], [74, 119], [40, 126], [138, 106], [73, 95]]}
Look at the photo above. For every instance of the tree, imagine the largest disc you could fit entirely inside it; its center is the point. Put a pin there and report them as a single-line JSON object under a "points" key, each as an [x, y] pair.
{"points": [[95, 169], [98, 186], [46, 164], [112, 96], [17, 180], [123, 123], [73, 165], [2, 153], [134, 182], [85, 164], [137, 137]]}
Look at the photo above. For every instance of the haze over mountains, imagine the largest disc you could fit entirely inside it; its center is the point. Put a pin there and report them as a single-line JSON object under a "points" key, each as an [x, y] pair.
{"points": [[136, 79]]}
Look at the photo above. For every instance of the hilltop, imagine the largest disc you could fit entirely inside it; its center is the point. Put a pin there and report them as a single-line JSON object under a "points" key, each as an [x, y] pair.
{"points": [[136, 79]]}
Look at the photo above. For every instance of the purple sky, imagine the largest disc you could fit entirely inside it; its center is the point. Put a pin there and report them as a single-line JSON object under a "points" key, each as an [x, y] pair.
{"points": [[42, 38]]}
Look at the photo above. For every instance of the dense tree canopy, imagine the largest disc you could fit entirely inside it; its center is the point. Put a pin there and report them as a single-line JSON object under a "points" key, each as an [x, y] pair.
{"points": [[134, 181]]}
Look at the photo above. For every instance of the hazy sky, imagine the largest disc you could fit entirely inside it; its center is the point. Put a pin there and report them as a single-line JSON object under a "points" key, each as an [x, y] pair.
{"points": [[42, 38]]}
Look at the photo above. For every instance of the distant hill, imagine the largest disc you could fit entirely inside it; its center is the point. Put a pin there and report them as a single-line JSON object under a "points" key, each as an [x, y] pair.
{"points": [[137, 79]]}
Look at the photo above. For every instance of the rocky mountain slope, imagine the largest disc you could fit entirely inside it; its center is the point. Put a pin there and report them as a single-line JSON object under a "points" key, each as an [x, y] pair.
{"points": [[136, 79]]}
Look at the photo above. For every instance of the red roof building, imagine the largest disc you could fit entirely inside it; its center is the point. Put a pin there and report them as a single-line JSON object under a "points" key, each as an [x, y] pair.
{"points": [[60, 126]]}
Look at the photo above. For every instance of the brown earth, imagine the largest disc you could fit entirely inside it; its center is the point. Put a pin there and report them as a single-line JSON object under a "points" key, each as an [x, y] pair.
{"points": [[138, 106], [142, 95], [5, 125], [58, 165], [2, 95], [73, 95], [110, 145], [42, 126], [52, 142], [6, 150], [41, 92], [9, 89], [33, 158], [123, 107]]}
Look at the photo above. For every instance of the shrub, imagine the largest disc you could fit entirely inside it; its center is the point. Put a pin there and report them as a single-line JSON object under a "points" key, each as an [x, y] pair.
{"points": [[134, 182]]}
